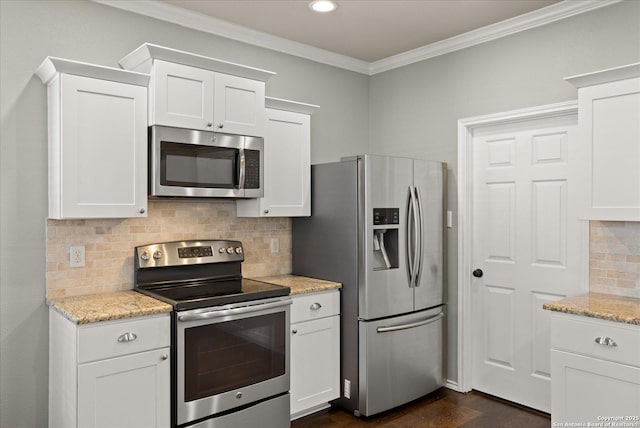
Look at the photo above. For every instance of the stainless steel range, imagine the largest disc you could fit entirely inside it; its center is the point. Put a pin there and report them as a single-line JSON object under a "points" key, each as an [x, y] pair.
{"points": [[230, 343]]}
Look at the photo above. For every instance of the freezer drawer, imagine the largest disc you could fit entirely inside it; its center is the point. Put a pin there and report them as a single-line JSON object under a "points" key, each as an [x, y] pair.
{"points": [[400, 359]]}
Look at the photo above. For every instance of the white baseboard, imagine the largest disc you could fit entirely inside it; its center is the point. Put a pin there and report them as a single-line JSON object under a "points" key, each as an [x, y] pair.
{"points": [[452, 385]]}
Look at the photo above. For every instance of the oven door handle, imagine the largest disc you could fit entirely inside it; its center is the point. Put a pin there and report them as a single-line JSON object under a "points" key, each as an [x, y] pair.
{"points": [[198, 316]]}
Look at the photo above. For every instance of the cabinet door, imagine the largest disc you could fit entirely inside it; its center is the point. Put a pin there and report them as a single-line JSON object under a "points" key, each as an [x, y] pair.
{"points": [[182, 96], [610, 127], [99, 165], [131, 391], [315, 366], [238, 105], [287, 168], [585, 389]]}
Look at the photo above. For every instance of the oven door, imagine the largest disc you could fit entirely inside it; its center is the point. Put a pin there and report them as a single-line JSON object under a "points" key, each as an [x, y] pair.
{"points": [[185, 162], [230, 356]]}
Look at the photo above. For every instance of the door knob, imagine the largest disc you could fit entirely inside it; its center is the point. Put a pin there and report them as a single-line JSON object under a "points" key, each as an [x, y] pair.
{"points": [[478, 273]]}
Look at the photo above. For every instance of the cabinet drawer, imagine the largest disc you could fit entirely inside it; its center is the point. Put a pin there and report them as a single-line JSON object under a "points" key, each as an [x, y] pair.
{"points": [[579, 334], [106, 340], [315, 305]]}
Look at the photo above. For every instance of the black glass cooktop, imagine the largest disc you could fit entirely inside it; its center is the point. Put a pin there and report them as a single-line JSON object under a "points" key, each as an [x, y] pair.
{"points": [[202, 294]]}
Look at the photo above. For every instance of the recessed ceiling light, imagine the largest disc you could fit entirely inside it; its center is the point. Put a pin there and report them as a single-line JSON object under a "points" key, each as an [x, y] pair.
{"points": [[323, 6]]}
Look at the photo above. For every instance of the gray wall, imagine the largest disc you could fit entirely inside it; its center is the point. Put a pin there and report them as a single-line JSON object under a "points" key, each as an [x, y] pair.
{"points": [[414, 110], [89, 32], [410, 111]]}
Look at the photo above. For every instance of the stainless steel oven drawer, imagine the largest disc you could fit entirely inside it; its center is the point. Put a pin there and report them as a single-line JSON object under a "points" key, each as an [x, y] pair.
{"points": [[271, 413]]}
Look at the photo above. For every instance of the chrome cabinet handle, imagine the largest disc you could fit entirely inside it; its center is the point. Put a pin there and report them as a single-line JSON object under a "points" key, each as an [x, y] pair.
{"points": [[165, 356], [605, 341], [220, 125], [142, 210], [315, 306], [294, 331], [209, 124], [127, 337]]}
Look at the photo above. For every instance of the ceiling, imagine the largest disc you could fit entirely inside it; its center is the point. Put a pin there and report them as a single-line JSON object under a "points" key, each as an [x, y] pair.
{"points": [[365, 36], [366, 30]]}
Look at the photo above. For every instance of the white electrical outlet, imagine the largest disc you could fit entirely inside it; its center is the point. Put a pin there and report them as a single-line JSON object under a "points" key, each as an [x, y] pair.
{"points": [[275, 245], [76, 256]]}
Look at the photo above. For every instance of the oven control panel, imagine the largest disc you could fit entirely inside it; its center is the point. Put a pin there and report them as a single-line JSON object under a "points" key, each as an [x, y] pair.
{"points": [[188, 252], [191, 252]]}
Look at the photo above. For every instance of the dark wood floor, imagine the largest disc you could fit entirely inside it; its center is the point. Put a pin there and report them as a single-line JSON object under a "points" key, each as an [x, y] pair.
{"points": [[443, 408]]}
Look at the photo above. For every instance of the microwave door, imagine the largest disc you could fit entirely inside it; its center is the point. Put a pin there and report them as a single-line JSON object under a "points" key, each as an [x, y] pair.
{"points": [[191, 170], [193, 163]]}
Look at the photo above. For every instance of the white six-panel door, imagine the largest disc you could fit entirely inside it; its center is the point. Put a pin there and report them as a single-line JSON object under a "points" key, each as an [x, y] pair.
{"points": [[526, 241]]}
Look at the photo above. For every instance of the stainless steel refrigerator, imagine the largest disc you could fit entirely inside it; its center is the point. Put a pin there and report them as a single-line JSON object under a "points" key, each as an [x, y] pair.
{"points": [[377, 227]]}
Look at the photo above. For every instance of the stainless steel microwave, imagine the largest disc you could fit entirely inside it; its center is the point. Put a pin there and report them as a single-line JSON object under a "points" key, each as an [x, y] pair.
{"points": [[204, 164]]}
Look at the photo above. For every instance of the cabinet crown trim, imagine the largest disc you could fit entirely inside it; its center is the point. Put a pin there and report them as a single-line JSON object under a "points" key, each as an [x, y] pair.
{"points": [[288, 105], [53, 65], [605, 76], [141, 59]]}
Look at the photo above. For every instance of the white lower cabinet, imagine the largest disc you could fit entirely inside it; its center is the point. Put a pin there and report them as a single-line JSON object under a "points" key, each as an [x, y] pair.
{"points": [[315, 351], [595, 371], [109, 374]]}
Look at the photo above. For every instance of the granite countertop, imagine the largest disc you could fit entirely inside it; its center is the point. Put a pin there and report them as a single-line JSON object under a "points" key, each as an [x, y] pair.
{"points": [[605, 306], [108, 306], [127, 304], [301, 284]]}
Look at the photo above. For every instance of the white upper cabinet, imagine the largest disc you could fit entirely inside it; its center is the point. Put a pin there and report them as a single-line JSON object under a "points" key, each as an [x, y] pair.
{"points": [[97, 140], [609, 122], [182, 96], [197, 92], [287, 162], [238, 105]]}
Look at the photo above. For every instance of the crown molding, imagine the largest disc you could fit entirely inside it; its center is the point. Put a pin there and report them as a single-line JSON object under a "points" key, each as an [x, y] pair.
{"points": [[555, 12], [53, 65], [629, 71], [198, 21]]}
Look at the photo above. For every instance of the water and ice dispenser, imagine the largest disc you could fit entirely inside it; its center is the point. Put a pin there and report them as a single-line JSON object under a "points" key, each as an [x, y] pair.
{"points": [[385, 238]]}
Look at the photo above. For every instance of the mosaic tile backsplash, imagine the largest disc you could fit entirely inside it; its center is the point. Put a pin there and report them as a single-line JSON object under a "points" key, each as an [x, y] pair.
{"points": [[109, 243], [614, 258]]}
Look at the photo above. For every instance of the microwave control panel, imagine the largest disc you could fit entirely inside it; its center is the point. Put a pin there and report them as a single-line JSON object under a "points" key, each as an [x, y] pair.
{"points": [[252, 169]]}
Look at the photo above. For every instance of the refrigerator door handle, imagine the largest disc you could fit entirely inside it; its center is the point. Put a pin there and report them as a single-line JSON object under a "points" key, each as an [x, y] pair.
{"points": [[411, 325], [416, 236], [412, 242], [419, 243], [409, 228]]}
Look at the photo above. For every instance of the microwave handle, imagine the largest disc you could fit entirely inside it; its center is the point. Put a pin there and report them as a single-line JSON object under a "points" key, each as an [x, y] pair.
{"points": [[241, 169]]}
